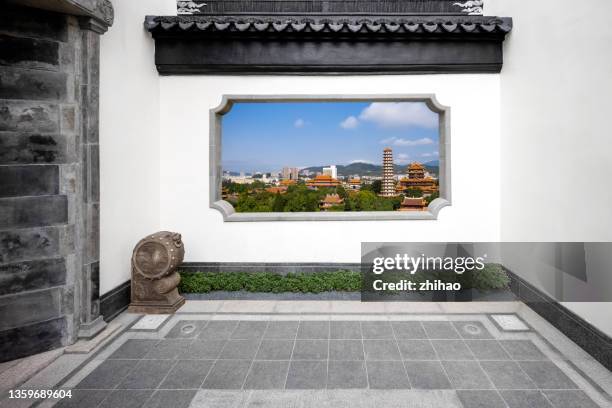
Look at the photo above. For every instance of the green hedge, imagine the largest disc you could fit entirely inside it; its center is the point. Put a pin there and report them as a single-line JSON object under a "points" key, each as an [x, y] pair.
{"points": [[339, 281], [492, 277]]}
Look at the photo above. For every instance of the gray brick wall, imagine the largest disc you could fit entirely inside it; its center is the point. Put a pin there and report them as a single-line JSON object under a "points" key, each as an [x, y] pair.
{"points": [[49, 185]]}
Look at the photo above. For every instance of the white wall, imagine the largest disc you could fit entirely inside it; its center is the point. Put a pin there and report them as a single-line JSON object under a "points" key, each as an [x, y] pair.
{"points": [[129, 138], [185, 104], [555, 95], [556, 161], [551, 150]]}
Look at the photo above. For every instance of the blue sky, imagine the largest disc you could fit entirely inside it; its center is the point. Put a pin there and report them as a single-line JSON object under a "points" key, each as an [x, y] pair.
{"points": [[268, 136]]}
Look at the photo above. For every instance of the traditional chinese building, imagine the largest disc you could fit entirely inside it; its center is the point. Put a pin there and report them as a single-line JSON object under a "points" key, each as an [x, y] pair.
{"points": [[275, 190], [413, 204], [354, 184], [287, 183], [323, 181], [330, 201], [388, 180], [417, 180]]}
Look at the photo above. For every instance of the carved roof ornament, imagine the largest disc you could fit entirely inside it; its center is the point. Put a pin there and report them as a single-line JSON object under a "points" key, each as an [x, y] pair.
{"points": [[472, 8], [189, 7], [104, 9]]}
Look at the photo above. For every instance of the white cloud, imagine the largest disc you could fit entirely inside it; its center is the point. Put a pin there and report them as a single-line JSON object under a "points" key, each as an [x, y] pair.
{"points": [[349, 123], [299, 123], [402, 158], [395, 141], [432, 154], [400, 114]]}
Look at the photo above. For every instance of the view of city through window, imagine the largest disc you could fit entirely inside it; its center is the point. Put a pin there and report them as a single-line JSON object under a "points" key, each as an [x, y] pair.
{"points": [[330, 156]]}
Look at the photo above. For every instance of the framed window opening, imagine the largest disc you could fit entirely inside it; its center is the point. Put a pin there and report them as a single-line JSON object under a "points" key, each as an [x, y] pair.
{"points": [[331, 187]]}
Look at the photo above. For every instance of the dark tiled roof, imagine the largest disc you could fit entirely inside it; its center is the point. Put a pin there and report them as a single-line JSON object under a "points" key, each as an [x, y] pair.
{"points": [[392, 25]]}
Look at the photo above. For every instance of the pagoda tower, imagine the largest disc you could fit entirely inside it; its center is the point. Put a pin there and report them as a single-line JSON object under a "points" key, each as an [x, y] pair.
{"points": [[388, 181]]}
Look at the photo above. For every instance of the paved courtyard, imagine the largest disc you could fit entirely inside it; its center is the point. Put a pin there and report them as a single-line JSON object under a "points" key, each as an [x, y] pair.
{"points": [[344, 359]]}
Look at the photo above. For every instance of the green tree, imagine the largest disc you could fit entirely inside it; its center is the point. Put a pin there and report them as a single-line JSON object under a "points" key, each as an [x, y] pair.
{"points": [[279, 203], [413, 192], [432, 197], [366, 200], [377, 186], [347, 204]]}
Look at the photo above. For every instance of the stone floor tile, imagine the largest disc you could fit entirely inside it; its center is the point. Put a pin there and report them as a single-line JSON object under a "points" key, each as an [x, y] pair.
{"points": [[147, 374], [171, 398], [307, 375], [570, 399], [200, 306], [473, 330], [346, 374], [417, 350], [272, 399], [168, 349], [345, 330], [523, 350], [376, 330], [452, 350], [240, 349], [387, 375], [480, 399], [267, 375], [408, 330], [186, 329], [127, 399], [218, 330], [487, 350], [356, 307], [466, 375], [227, 374], [83, 398], [547, 376], [247, 306], [427, 375], [203, 350], [440, 330], [275, 350], [309, 330], [219, 399], [346, 350], [133, 349], [525, 399], [303, 306], [414, 399], [507, 375], [353, 398], [249, 330], [381, 350], [310, 350], [107, 375], [281, 330], [510, 322], [150, 323], [187, 374]]}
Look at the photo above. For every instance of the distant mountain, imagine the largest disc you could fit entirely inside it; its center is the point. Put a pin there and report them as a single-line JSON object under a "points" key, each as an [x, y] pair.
{"points": [[433, 163], [369, 169]]}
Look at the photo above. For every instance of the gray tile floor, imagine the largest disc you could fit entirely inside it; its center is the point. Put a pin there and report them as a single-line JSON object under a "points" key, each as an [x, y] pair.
{"points": [[442, 363]]}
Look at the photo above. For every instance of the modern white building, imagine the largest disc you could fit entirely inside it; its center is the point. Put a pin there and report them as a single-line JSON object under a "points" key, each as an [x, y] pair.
{"points": [[331, 171]]}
